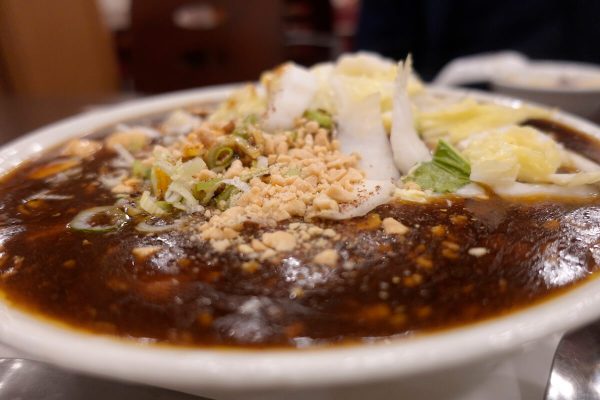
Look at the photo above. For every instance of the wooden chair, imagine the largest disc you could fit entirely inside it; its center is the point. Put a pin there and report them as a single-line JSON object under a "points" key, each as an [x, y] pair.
{"points": [[178, 44], [57, 47]]}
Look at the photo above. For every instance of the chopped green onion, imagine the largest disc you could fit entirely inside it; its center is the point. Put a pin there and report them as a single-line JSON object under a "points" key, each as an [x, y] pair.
{"points": [[220, 155], [180, 196], [129, 208], [146, 227], [254, 174], [205, 190], [241, 132], [165, 205], [191, 167], [223, 199], [149, 204], [321, 117], [98, 220], [241, 129], [243, 146], [140, 170]]}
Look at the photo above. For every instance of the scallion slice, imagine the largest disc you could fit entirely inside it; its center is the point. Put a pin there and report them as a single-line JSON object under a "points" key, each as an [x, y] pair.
{"points": [[146, 227], [221, 154], [319, 116], [205, 190], [99, 219], [224, 198]]}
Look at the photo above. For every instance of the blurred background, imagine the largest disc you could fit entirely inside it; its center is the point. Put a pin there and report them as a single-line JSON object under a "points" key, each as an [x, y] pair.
{"points": [[59, 57]]}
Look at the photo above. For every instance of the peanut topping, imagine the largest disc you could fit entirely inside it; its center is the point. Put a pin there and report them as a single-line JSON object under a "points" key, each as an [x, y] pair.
{"points": [[478, 251], [306, 176], [142, 253], [235, 174], [81, 148], [393, 227], [279, 240], [327, 257]]}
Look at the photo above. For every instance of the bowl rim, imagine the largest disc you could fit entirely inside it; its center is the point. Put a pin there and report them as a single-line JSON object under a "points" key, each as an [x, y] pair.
{"points": [[235, 370], [503, 80]]}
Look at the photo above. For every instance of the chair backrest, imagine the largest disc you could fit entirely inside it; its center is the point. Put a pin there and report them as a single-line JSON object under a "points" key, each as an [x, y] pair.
{"points": [[57, 47], [179, 44]]}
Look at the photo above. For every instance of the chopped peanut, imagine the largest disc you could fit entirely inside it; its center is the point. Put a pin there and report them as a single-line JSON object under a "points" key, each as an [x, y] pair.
{"points": [[478, 251], [438, 230], [142, 253], [327, 257], [131, 140], [81, 148], [279, 240], [339, 194], [393, 227]]}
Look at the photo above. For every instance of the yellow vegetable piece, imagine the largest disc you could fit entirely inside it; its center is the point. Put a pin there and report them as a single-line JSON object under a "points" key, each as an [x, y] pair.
{"points": [[53, 168], [357, 77], [160, 181], [374, 71], [521, 153], [460, 120]]}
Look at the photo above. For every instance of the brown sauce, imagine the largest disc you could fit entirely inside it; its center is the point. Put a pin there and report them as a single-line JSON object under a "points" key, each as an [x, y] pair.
{"points": [[570, 138], [462, 261]]}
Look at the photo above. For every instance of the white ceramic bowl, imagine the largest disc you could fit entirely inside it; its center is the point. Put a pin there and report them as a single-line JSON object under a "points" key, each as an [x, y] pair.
{"points": [[432, 363], [573, 87]]}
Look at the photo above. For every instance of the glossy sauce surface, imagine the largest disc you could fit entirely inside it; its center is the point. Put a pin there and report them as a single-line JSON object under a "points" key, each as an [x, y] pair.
{"points": [[461, 261], [570, 138]]}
